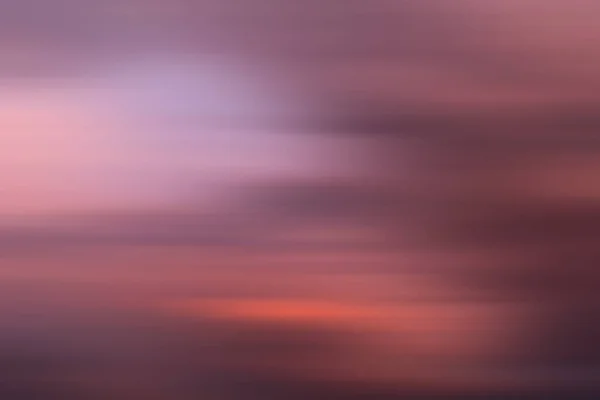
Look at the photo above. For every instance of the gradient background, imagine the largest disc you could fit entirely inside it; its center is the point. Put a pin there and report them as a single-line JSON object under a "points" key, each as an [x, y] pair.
{"points": [[268, 199]]}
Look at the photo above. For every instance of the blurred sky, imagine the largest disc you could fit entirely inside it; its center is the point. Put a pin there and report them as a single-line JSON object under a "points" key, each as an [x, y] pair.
{"points": [[136, 105], [140, 132], [286, 124]]}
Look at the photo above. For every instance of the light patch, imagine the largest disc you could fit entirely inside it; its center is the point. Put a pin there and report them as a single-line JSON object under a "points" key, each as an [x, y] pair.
{"points": [[115, 139]]}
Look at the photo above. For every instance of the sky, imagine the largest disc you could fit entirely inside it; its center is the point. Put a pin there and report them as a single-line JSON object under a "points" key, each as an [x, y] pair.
{"points": [[141, 133], [157, 105], [125, 111]]}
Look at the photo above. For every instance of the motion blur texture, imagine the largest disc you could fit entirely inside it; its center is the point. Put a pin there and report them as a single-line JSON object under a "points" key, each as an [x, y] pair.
{"points": [[312, 199]]}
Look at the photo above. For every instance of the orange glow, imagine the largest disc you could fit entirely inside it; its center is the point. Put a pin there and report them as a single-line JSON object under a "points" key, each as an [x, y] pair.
{"points": [[300, 311]]}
